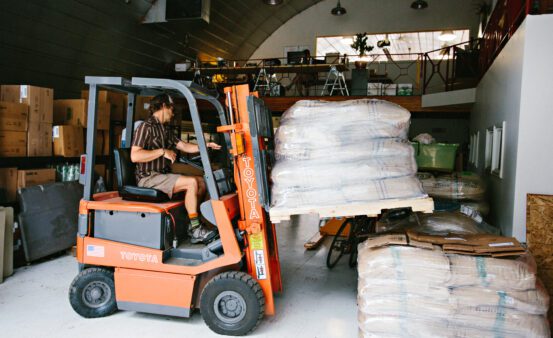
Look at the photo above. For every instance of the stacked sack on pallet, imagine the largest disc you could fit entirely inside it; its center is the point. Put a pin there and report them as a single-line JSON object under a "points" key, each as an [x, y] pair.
{"points": [[332, 153], [412, 292]]}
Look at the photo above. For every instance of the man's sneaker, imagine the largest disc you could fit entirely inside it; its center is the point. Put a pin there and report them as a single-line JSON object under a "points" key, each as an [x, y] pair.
{"points": [[201, 234]]}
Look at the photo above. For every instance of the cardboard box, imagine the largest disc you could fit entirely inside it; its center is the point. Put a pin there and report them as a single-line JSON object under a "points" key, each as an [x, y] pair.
{"points": [[13, 143], [40, 100], [39, 139], [74, 113], [117, 102], [13, 116], [276, 122], [405, 89], [374, 89], [8, 185], [28, 178], [105, 149], [389, 89], [142, 107], [68, 141], [100, 170]]}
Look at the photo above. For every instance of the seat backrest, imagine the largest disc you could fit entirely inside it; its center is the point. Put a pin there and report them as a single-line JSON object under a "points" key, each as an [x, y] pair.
{"points": [[124, 168]]}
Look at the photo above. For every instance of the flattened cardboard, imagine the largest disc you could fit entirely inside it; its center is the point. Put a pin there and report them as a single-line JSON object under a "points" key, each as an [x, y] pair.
{"points": [[384, 240]]}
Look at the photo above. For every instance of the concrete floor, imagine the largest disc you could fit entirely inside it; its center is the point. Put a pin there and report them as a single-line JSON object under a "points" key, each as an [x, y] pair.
{"points": [[316, 302]]}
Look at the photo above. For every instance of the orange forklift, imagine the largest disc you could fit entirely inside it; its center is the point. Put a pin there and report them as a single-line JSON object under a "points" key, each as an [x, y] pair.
{"points": [[132, 248]]}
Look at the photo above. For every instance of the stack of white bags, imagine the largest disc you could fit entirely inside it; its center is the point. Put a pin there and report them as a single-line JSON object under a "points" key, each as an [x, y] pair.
{"points": [[410, 292], [348, 152]]}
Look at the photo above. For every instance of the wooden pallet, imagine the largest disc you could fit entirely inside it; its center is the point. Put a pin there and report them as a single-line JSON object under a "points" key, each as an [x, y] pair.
{"points": [[371, 209]]}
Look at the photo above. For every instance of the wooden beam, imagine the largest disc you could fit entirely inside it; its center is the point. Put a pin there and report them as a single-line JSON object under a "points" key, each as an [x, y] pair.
{"points": [[411, 103]]}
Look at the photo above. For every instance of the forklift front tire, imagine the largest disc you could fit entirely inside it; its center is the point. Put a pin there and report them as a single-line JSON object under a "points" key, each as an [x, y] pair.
{"points": [[92, 293], [232, 303]]}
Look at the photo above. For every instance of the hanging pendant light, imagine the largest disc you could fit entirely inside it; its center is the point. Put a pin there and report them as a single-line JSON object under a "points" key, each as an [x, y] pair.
{"points": [[419, 4], [338, 10]]}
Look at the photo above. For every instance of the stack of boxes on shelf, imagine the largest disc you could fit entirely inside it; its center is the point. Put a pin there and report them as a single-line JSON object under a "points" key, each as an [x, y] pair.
{"points": [[25, 120], [26, 115]]}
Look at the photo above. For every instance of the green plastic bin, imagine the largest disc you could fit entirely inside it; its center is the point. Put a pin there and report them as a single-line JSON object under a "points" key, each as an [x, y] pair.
{"points": [[435, 156]]}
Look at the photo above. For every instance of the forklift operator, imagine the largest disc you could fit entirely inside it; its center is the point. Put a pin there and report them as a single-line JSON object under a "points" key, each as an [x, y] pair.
{"points": [[153, 150]]}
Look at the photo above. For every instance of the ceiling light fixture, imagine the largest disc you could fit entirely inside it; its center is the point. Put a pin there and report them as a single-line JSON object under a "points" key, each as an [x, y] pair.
{"points": [[419, 4], [272, 2], [338, 10], [447, 35]]}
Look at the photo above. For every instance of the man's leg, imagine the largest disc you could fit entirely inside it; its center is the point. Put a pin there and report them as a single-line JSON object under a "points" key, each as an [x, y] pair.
{"points": [[198, 232], [190, 185], [201, 188]]}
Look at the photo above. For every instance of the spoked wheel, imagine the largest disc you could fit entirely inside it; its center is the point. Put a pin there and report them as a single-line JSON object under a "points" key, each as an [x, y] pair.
{"points": [[232, 303], [92, 293], [361, 228], [339, 246]]}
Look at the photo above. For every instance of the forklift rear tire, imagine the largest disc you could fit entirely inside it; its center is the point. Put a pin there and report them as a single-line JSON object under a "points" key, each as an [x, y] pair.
{"points": [[232, 303], [92, 293]]}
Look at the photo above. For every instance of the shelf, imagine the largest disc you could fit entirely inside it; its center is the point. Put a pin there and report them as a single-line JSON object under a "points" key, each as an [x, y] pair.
{"points": [[43, 161]]}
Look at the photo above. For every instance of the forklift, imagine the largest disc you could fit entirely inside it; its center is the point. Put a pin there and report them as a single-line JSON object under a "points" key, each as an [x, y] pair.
{"points": [[132, 248]]}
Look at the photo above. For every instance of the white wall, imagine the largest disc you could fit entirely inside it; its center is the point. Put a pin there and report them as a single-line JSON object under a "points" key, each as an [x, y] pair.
{"points": [[535, 139], [372, 16], [498, 99]]}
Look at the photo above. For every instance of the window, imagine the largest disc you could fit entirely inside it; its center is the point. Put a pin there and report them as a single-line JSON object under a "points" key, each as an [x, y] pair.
{"points": [[408, 44], [474, 148], [495, 150], [498, 150], [488, 150]]}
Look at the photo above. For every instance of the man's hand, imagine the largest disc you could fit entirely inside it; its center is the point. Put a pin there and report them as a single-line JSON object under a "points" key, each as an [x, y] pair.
{"points": [[213, 145], [170, 155]]}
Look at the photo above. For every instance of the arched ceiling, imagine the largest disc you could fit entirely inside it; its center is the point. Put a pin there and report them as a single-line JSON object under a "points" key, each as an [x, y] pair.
{"points": [[236, 27]]}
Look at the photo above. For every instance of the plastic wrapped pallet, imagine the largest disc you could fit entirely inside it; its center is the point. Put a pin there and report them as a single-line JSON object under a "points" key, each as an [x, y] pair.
{"points": [[438, 223], [349, 152], [411, 292], [457, 186]]}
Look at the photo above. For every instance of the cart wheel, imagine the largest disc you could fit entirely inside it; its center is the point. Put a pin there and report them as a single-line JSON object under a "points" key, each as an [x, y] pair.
{"points": [[338, 246], [92, 293], [232, 303]]}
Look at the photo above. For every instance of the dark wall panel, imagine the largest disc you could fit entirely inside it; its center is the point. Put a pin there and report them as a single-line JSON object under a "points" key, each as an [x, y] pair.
{"points": [[56, 43]]}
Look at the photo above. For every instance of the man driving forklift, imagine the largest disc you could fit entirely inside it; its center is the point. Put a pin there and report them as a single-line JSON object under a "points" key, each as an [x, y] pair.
{"points": [[153, 150]]}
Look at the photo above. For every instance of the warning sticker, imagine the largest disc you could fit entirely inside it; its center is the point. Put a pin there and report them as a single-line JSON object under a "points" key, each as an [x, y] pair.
{"points": [[256, 241], [259, 260], [95, 251]]}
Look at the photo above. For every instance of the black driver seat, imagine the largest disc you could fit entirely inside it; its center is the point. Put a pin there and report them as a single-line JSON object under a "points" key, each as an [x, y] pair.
{"points": [[126, 180]]}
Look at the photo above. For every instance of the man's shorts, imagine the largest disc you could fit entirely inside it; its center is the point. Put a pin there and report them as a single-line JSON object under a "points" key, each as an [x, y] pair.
{"points": [[162, 182]]}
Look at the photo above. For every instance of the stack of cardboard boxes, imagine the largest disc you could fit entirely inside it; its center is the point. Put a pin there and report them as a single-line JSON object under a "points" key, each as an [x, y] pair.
{"points": [[25, 120]]}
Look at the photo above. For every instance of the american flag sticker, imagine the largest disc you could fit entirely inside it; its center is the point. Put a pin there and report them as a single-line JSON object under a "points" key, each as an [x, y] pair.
{"points": [[95, 251]]}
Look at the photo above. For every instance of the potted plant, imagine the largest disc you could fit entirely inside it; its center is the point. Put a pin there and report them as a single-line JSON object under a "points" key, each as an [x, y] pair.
{"points": [[360, 45]]}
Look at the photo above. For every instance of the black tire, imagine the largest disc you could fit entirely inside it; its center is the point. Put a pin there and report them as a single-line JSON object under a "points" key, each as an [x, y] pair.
{"points": [[92, 293], [338, 246], [232, 303]]}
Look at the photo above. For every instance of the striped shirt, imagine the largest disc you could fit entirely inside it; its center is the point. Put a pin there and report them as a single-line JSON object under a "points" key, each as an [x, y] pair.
{"points": [[152, 135]]}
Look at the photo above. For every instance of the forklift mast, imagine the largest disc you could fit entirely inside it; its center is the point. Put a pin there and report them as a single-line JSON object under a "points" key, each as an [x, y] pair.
{"points": [[251, 137]]}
